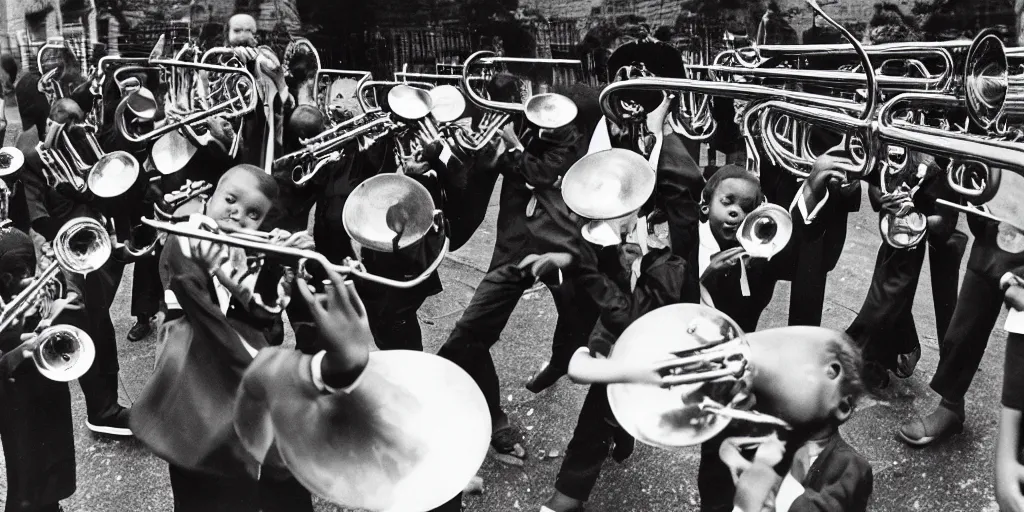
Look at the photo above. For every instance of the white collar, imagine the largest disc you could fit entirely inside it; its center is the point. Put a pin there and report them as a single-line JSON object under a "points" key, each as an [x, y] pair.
{"points": [[708, 247]]}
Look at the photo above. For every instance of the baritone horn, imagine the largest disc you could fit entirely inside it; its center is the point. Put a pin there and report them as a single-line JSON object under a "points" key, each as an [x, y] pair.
{"points": [[609, 187], [547, 110], [105, 174], [703, 359]]}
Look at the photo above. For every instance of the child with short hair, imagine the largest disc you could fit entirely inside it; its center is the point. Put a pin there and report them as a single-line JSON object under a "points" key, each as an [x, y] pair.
{"points": [[36, 428], [827, 474], [210, 337]]}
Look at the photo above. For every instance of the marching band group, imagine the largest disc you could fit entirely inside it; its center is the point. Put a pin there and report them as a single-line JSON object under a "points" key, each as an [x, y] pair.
{"points": [[240, 146]]}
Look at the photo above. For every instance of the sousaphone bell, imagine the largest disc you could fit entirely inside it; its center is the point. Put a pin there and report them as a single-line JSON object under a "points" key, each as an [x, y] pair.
{"points": [[407, 439], [393, 213], [609, 187], [11, 160]]}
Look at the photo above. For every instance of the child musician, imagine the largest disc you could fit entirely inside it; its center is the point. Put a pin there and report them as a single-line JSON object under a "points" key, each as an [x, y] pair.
{"points": [[49, 207], [661, 282], [536, 236], [1009, 471], [884, 327], [36, 429], [211, 335], [827, 474], [977, 309]]}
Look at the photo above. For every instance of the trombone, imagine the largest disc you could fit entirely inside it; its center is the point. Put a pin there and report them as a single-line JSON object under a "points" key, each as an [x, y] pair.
{"points": [[255, 243]]}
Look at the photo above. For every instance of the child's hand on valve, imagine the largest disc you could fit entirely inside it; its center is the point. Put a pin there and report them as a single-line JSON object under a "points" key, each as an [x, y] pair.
{"points": [[343, 323], [829, 172], [897, 203], [757, 485]]}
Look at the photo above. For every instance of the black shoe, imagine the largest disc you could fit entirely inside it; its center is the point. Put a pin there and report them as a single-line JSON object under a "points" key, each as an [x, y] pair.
{"points": [[547, 376], [115, 424], [141, 329], [875, 376]]}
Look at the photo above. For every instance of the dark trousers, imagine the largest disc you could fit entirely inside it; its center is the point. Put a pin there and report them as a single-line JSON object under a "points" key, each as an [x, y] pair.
{"points": [[714, 481], [488, 312], [99, 384], [147, 292], [961, 349], [38, 441], [884, 327], [589, 446], [392, 316], [807, 295], [200, 492]]}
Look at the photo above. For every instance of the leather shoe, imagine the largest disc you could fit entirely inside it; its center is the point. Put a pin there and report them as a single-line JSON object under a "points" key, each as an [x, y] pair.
{"points": [[940, 424], [546, 377]]}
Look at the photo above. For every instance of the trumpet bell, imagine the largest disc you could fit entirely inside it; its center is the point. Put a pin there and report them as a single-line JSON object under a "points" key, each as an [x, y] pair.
{"points": [[82, 245], [63, 353], [408, 439], [671, 417], [765, 231], [409, 102], [389, 211], [11, 160], [172, 152], [902, 232], [608, 184], [985, 79], [550, 110], [113, 174], [448, 104]]}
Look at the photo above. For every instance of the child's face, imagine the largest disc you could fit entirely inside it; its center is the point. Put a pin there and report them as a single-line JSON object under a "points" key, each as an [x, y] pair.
{"points": [[237, 203], [730, 203], [798, 374], [242, 31]]}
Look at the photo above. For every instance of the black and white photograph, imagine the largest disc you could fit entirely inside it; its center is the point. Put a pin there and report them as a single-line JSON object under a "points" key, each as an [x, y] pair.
{"points": [[512, 255]]}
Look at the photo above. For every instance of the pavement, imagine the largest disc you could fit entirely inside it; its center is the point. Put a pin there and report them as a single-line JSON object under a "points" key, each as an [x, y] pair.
{"points": [[122, 476]]}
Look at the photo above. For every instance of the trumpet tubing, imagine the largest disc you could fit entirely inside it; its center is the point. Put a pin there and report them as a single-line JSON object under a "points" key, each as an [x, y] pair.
{"points": [[307, 162], [300, 255]]}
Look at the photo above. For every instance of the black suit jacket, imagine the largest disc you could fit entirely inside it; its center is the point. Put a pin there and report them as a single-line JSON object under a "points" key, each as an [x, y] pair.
{"points": [[839, 480]]}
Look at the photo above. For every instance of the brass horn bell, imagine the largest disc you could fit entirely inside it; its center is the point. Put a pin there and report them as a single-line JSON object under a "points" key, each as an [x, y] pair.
{"points": [[681, 415], [11, 160], [765, 231], [550, 110], [608, 187], [63, 353], [407, 439], [389, 211], [448, 104]]}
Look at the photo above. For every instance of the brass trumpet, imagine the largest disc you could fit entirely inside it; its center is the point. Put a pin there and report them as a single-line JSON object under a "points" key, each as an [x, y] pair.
{"points": [[63, 352], [350, 267], [329, 146]]}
